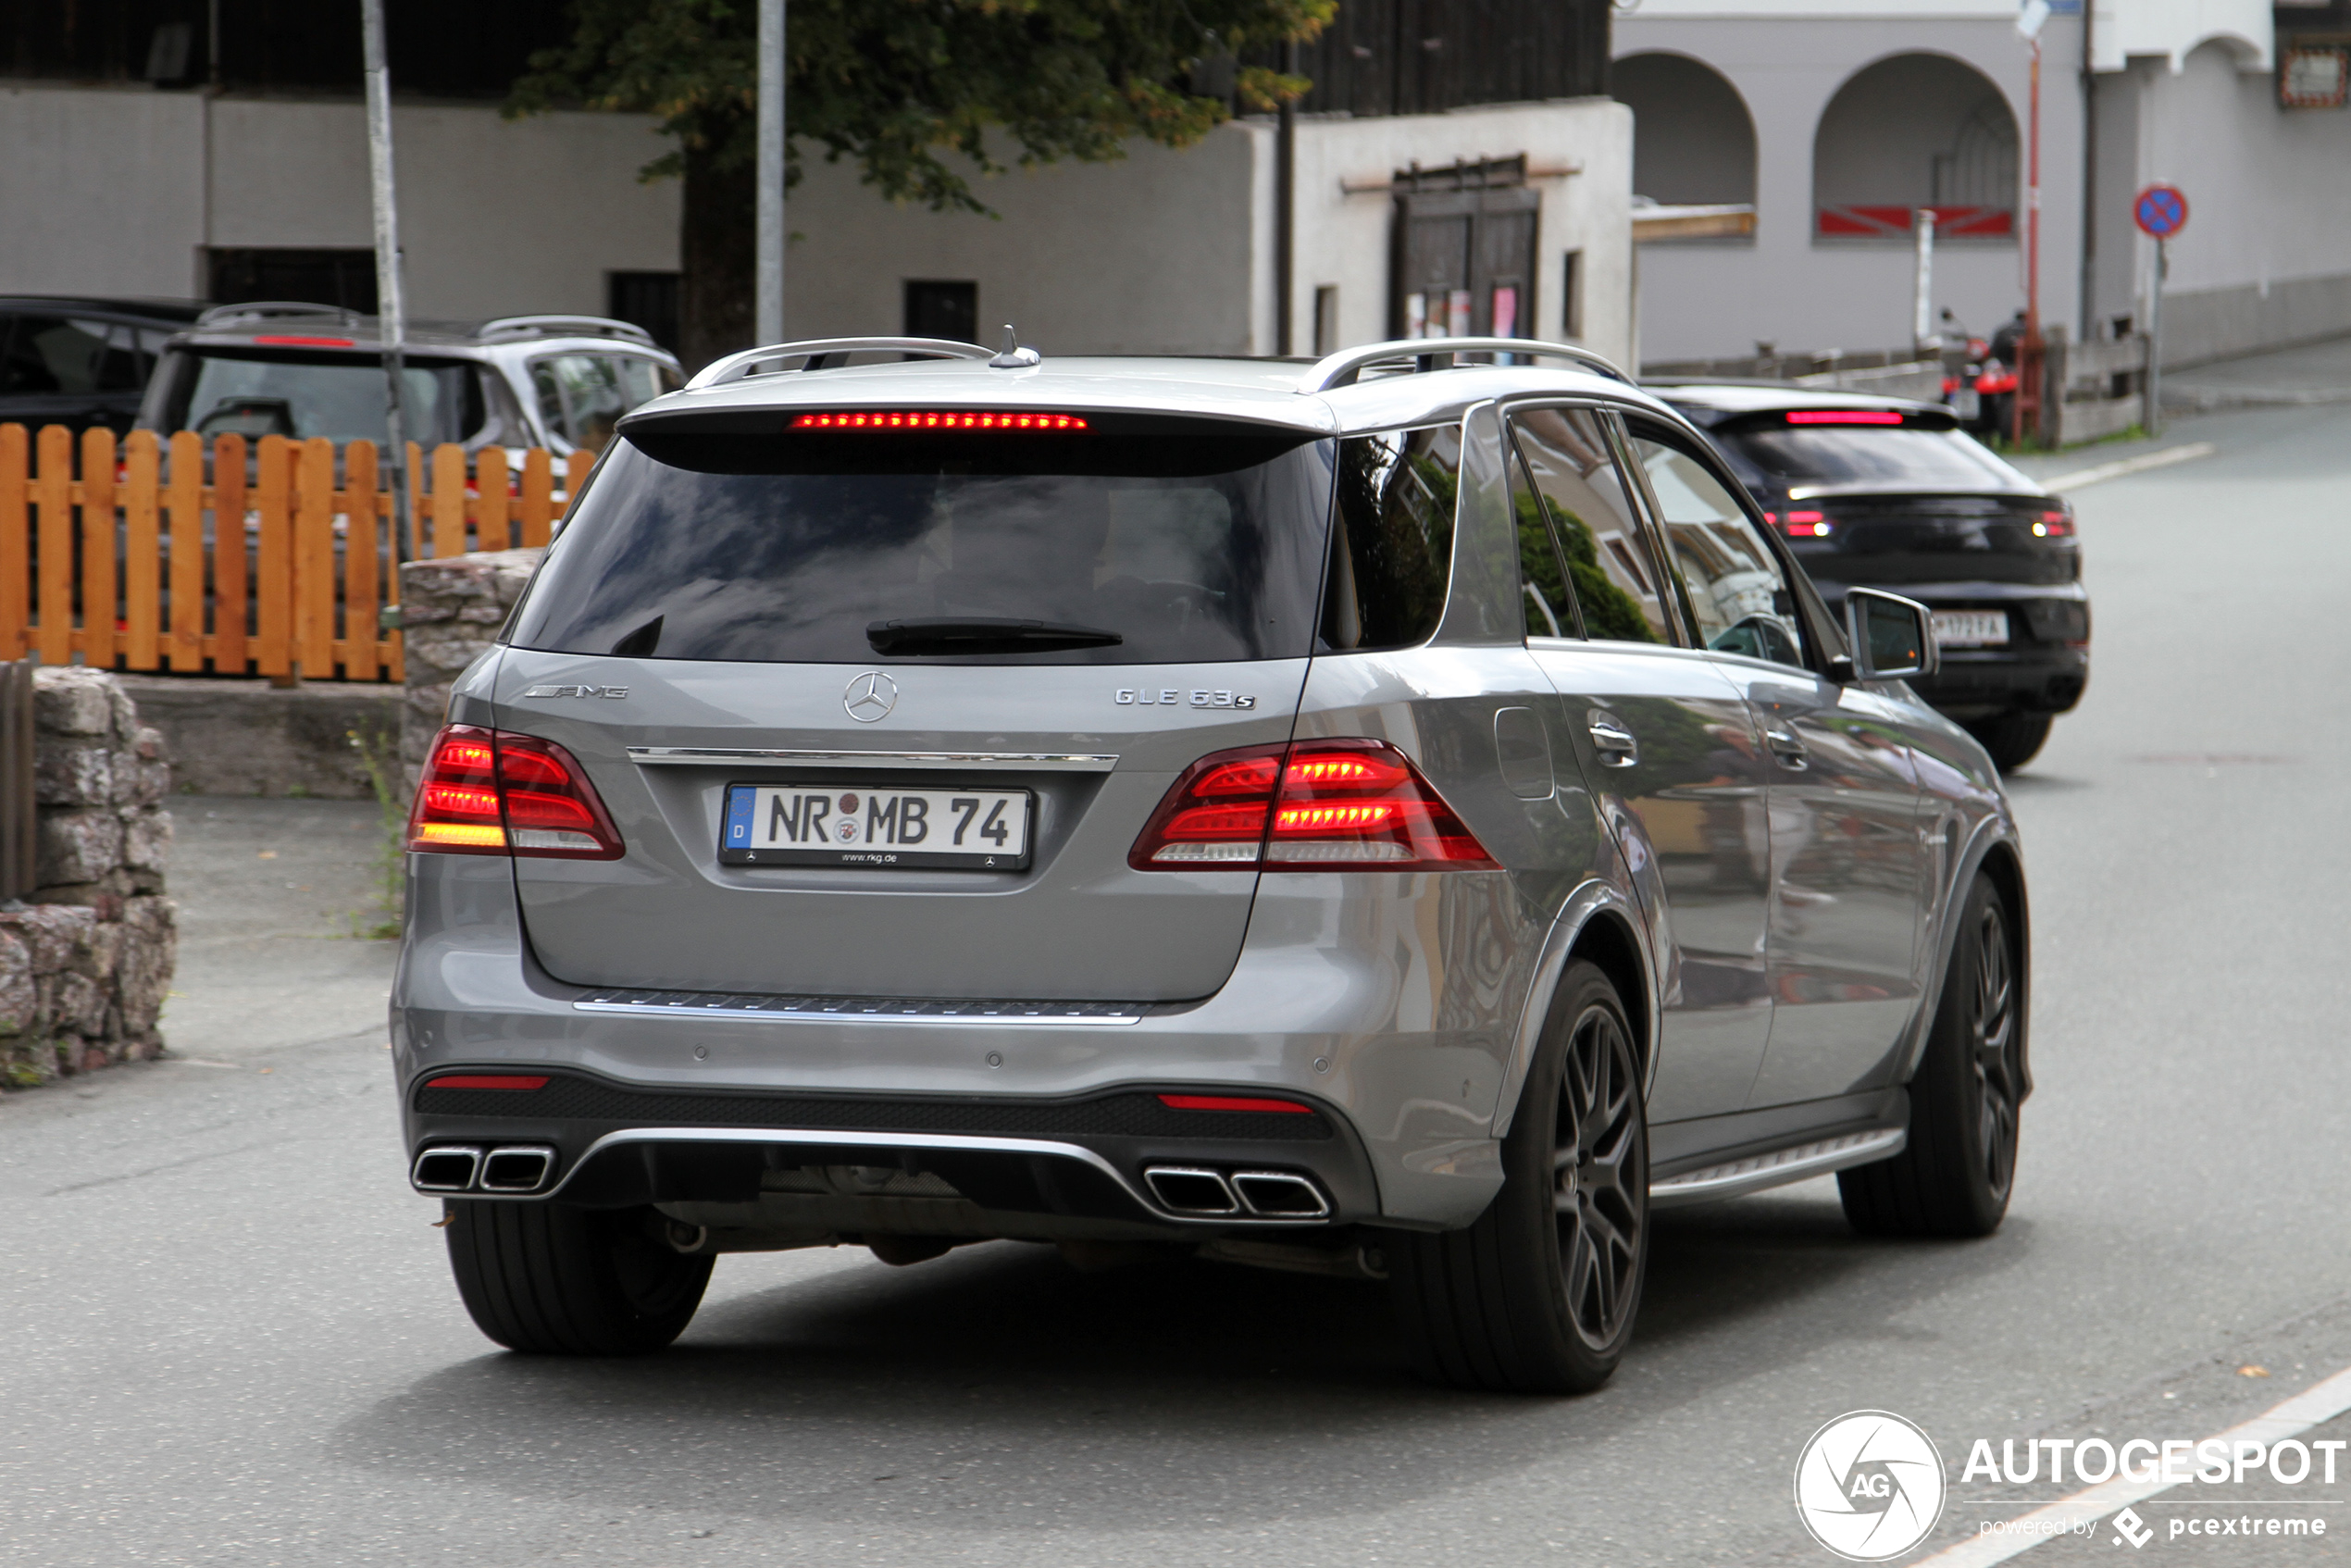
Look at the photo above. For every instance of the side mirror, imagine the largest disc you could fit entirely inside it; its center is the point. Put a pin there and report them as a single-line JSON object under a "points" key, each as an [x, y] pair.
{"points": [[1892, 637]]}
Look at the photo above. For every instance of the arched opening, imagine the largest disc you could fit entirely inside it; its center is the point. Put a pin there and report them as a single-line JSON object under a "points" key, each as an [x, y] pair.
{"points": [[1915, 131], [1693, 139]]}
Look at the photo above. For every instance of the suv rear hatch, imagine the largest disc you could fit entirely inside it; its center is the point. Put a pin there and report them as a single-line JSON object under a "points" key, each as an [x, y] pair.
{"points": [[929, 683]]}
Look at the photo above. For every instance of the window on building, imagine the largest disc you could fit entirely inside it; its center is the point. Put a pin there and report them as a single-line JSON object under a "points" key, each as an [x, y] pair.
{"points": [[344, 279], [1572, 295], [937, 308], [1326, 319], [1693, 139], [647, 300]]}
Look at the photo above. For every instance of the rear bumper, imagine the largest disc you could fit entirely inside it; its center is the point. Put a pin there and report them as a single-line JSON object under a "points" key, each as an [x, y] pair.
{"points": [[2045, 666], [1402, 1055]]}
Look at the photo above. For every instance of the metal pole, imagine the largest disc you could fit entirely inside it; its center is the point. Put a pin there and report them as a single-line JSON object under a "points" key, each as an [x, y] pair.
{"points": [[2155, 340], [2089, 178], [1286, 212], [1923, 339], [391, 310], [2029, 373], [767, 305]]}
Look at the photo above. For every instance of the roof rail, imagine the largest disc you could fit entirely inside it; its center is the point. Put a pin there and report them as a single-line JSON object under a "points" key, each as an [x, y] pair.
{"points": [[828, 354], [1341, 369], [263, 310], [506, 329]]}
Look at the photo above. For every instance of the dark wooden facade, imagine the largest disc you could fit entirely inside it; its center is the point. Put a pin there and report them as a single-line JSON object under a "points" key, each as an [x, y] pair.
{"points": [[1424, 56]]}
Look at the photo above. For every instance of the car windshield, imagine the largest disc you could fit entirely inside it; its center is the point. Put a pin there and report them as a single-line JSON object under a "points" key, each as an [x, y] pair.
{"points": [[339, 397], [1870, 455], [1148, 546]]}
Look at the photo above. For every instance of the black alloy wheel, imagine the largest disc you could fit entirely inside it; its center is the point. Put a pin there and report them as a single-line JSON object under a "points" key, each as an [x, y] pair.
{"points": [[1539, 1295], [1954, 1176], [1601, 1190], [2011, 738]]}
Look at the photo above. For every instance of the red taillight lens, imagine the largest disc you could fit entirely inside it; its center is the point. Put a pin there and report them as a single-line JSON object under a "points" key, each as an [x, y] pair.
{"points": [[1233, 1102], [1329, 806], [488, 791], [1806, 525], [2053, 525], [490, 1080], [939, 419], [1844, 416]]}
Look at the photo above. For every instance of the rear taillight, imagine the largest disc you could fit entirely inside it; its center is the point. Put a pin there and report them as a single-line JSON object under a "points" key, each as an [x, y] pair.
{"points": [[490, 792], [1331, 805], [2053, 525], [1806, 525]]}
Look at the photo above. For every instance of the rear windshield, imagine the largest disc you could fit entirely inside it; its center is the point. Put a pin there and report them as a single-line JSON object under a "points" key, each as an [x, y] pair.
{"points": [[1117, 547], [340, 396], [1866, 454]]}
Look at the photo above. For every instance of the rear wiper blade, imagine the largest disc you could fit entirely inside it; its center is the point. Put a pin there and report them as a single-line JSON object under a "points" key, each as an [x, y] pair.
{"points": [[982, 634]]}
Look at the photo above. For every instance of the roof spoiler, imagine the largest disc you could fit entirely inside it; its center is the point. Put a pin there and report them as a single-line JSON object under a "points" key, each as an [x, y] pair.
{"points": [[266, 310], [1343, 369]]}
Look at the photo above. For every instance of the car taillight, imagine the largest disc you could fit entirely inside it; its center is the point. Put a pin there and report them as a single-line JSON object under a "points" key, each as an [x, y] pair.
{"points": [[1806, 525], [2053, 525], [490, 791], [1330, 806]]}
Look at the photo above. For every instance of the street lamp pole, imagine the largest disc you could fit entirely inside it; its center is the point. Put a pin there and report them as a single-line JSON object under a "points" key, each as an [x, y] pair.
{"points": [[2027, 410], [390, 309], [767, 304]]}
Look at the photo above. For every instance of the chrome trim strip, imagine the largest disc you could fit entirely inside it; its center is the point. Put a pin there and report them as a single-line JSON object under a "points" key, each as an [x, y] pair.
{"points": [[1777, 1168], [878, 1010], [976, 1144], [945, 762]]}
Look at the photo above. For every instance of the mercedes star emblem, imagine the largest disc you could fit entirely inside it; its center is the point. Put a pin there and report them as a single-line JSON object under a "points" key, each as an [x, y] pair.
{"points": [[870, 697]]}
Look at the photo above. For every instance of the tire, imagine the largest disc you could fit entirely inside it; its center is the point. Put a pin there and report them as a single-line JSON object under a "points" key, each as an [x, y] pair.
{"points": [[2013, 738], [550, 1279], [1539, 1295], [1954, 1177]]}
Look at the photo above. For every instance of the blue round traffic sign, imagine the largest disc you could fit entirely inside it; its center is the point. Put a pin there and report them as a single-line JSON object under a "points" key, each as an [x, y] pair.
{"points": [[2161, 211]]}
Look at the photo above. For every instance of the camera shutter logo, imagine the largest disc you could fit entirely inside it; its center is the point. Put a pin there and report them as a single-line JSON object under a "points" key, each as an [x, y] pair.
{"points": [[1868, 1486]]}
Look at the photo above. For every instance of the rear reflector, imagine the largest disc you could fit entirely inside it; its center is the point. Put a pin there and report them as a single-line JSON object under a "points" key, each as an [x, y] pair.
{"points": [[306, 343], [487, 1080], [490, 791], [1844, 416], [1232, 1102], [1328, 805], [937, 419]]}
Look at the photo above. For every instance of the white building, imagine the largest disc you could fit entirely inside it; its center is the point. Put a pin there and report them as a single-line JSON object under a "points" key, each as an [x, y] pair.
{"points": [[1835, 119]]}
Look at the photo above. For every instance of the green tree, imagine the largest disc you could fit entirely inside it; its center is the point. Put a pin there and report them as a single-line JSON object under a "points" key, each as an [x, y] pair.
{"points": [[920, 94]]}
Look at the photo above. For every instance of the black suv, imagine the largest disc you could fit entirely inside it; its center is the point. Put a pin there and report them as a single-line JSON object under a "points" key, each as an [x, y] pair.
{"points": [[77, 362], [1879, 492]]}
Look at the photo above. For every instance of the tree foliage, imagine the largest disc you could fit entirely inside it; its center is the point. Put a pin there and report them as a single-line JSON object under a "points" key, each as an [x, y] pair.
{"points": [[901, 86]]}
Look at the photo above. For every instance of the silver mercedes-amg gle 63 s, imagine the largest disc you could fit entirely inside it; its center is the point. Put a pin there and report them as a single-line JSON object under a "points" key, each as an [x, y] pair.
{"points": [[1403, 816]]}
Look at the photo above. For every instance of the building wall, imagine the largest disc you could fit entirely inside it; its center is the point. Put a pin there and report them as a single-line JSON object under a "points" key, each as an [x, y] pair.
{"points": [[1172, 252], [1709, 299], [1343, 238], [104, 191]]}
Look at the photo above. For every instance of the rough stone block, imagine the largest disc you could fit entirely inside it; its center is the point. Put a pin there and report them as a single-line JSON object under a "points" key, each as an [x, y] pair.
{"points": [[53, 934], [65, 774], [20, 996], [146, 839], [150, 948], [78, 1005], [78, 846], [73, 700]]}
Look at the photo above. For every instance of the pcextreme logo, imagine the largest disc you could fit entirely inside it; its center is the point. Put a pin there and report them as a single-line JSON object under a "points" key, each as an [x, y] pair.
{"points": [[1868, 1486]]}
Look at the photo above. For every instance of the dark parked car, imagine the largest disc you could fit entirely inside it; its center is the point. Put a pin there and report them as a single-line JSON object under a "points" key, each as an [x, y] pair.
{"points": [[77, 362], [1879, 492]]}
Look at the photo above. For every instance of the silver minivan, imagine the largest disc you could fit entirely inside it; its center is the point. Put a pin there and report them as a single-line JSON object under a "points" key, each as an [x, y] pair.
{"points": [[1395, 817]]}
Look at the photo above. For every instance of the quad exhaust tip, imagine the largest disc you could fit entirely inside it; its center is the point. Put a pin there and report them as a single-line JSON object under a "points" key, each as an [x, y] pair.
{"points": [[464, 1168], [1202, 1193]]}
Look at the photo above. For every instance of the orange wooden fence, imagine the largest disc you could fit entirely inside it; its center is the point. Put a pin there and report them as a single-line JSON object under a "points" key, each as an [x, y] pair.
{"points": [[128, 562]]}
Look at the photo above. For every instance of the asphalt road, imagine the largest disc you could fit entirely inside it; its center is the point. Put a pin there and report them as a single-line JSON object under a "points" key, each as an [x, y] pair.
{"points": [[232, 1336]]}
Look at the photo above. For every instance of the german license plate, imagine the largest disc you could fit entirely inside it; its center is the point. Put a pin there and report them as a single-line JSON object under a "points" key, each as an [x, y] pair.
{"points": [[878, 826], [1971, 629]]}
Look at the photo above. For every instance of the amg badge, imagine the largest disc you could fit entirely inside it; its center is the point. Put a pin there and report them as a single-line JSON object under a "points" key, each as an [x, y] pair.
{"points": [[614, 691]]}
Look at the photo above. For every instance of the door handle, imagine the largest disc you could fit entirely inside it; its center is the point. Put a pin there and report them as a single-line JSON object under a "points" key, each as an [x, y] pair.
{"points": [[1612, 741], [1786, 747]]}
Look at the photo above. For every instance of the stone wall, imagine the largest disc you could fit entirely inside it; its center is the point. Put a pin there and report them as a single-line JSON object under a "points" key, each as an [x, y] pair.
{"points": [[85, 962], [450, 611]]}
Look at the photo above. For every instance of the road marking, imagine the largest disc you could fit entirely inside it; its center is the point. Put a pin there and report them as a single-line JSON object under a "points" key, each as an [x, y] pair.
{"points": [[2139, 465], [2313, 1407]]}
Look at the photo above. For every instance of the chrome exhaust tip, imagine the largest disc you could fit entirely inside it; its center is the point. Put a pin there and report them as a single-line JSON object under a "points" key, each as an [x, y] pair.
{"points": [[445, 1169], [517, 1170], [1186, 1190], [1281, 1195]]}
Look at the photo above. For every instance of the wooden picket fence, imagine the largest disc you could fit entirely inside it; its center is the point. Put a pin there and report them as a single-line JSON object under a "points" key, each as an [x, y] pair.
{"points": [[128, 564]]}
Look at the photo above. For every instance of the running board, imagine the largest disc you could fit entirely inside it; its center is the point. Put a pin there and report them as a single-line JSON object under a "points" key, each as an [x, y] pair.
{"points": [[1777, 1168]]}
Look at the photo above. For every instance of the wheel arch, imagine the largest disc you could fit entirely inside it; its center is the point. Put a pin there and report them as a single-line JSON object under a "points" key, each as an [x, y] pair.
{"points": [[1600, 923], [1991, 851]]}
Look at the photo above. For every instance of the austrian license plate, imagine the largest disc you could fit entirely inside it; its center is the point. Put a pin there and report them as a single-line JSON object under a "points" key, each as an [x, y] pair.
{"points": [[878, 825], [1971, 629]]}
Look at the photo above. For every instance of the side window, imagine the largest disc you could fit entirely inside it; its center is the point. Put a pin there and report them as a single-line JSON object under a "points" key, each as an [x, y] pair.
{"points": [[580, 396], [1573, 471], [1543, 583], [56, 353], [641, 381], [1738, 593], [1392, 537]]}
